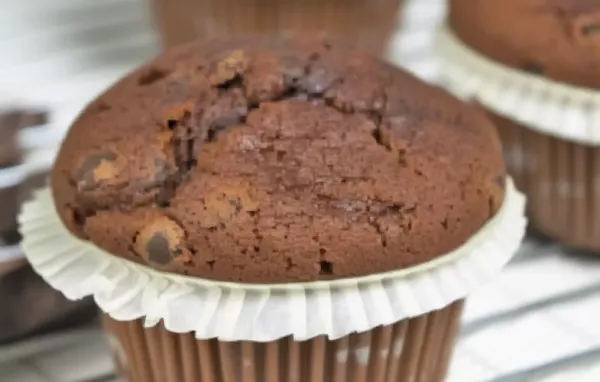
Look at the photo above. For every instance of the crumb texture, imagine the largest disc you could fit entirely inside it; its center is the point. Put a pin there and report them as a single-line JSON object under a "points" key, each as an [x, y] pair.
{"points": [[557, 39], [277, 160]]}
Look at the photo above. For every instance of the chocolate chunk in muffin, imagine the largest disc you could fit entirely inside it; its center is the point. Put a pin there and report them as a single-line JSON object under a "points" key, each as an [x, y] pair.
{"points": [[161, 242], [96, 168]]}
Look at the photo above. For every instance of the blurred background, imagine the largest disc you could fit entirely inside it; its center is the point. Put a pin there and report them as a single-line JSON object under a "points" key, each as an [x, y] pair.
{"points": [[538, 321]]}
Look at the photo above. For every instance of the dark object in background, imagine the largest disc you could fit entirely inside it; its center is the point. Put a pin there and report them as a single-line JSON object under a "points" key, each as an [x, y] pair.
{"points": [[368, 23], [10, 152], [12, 173], [9, 194], [30, 306], [557, 165], [12, 121]]}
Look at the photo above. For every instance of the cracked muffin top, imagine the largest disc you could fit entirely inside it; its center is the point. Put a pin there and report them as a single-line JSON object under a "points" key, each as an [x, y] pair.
{"points": [[557, 39], [277, 160]]}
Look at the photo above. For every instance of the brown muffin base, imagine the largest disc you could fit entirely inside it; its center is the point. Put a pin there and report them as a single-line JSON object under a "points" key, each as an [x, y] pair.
{"points": [[559, 179], [414, 350], [359, 21]]}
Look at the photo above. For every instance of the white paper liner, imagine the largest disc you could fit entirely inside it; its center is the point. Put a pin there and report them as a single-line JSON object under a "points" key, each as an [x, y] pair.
{"points": [[550, 107], [234, 311]]}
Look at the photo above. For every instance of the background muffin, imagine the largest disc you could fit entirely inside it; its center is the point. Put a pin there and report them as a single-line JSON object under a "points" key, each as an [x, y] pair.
{"points": [[369, 24], [534, 65], [557, 39]]}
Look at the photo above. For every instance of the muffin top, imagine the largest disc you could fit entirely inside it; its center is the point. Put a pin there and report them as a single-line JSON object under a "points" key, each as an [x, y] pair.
{"points": [[558, 39], [277, 160]]}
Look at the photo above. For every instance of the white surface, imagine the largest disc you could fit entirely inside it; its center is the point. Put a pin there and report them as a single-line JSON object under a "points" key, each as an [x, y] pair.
{"points": [[543, 310]]}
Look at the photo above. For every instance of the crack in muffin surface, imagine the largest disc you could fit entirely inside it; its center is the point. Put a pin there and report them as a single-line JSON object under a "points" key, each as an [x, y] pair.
{"points": [[277, 161]]}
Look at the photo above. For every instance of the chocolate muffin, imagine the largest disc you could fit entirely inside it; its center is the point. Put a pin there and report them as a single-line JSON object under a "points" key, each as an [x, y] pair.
{"points": [[275, 161], [273, 173], [558, 39], [555, 47]]}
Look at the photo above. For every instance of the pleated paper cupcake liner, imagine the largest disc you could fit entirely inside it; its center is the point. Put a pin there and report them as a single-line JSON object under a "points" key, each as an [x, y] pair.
{"points": [[367, 23], [561, 180], [549, 107], [416, 349], [234, 311]]}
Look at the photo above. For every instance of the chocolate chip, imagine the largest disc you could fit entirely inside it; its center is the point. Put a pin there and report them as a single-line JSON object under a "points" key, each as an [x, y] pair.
{"points": [[161, 242], [158, 249], [95, 168], [533, 68], [326, 268]]}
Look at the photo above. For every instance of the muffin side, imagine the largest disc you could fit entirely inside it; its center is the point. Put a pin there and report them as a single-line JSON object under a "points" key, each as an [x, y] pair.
{"points": [[274, 161]]}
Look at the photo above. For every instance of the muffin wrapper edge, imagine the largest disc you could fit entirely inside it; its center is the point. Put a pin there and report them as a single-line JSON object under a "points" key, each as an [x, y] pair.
{"points": [[261, 313], [561, 110]]}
